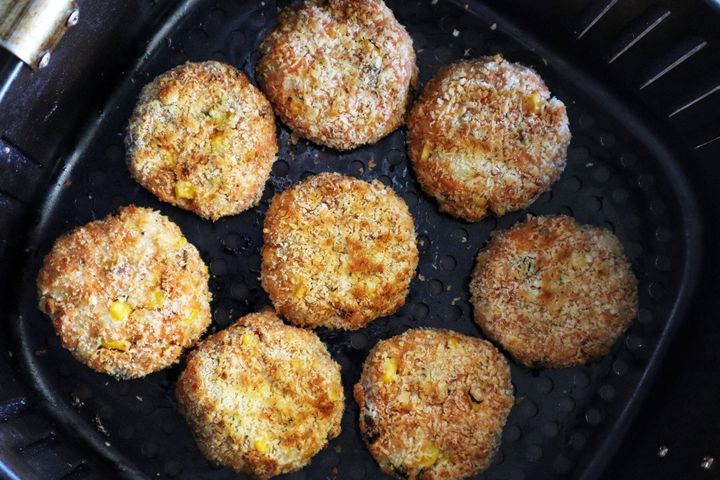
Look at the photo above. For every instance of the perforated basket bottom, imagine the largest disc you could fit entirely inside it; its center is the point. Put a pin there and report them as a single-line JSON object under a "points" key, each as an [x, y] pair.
{"points": [[618, 176]]}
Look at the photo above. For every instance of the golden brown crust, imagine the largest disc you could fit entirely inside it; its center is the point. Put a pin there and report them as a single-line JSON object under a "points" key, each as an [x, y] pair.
{"points": [[486, 136], [202, 137], [554, 293], [433, 404], [127, 293], [338, 252], [261, 397], [338, 72]]}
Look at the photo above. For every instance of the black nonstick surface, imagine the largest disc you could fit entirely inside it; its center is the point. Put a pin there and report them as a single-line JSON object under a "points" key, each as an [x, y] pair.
{"points": [[565, 423]]}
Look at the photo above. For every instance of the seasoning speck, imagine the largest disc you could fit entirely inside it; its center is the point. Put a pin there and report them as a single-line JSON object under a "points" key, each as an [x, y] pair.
{"points": [[101, 428], [662, 451], [707, 463], [493, 27], [456, 32], [75, 401]]}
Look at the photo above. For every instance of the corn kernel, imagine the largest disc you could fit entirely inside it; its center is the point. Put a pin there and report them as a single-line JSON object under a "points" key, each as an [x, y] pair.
{"points": [[217, 140], [264, 389], [120, 311], [180, 242], [184, 189], [428, 455], [190, 317], [533, 102], [220, 117], [426, 151], [121, 345], [335, 395], [300, 291], [157, 298], [373, 53], [249, 339], [389, 370], [371, 285], [285, 407], [296, 105], [262, 443], [169, 159], [452, 343]]}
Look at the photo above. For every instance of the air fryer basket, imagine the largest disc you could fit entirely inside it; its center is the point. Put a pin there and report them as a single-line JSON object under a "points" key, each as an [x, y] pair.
{"points": [[566, 423]]}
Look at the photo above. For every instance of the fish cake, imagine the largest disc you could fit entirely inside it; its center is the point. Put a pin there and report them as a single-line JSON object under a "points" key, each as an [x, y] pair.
{"points": [[340, 72], [261, 397], [338, 252], [554, 293], [126, 294], [486, 137], [203, 138], [433, 404]]}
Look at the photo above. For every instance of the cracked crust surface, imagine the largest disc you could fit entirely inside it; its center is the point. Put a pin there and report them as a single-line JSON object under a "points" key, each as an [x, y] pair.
{"points": [[433, 404], [202, 137], [339, 72], [338, 252], [486, 136], [262, 397], [554, 293], [126, 294]]}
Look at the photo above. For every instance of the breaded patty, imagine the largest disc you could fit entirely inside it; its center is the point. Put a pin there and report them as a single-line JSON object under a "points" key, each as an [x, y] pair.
{"points": [[339, 252], [486, 136], [262, 397], [338, 72], [202, 137], [127, 293], [554, 293], [433, 404]]}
